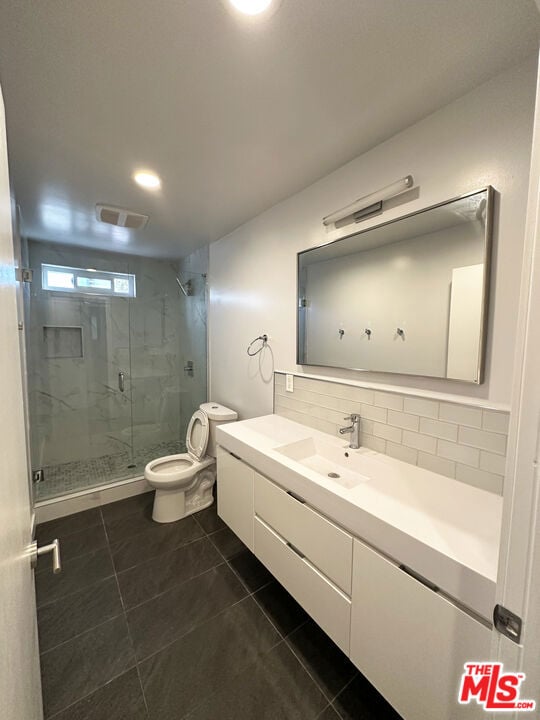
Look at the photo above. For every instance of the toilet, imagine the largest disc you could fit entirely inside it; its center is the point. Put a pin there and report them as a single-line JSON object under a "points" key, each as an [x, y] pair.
{"points": [[184, 482]]}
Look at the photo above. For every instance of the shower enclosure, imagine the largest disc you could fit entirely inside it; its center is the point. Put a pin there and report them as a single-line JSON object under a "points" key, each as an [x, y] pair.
{"points": [[116, 348]]}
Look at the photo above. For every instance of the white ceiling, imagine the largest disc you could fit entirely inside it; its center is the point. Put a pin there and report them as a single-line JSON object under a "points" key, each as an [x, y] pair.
{"points": [[235, 115]]}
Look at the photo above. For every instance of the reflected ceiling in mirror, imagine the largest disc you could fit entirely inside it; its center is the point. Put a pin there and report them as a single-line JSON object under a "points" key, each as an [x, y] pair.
{"points": [[408, 296]]}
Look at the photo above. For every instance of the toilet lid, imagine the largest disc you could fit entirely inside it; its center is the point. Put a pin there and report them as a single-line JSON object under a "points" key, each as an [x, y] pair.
{"points": [[197, 434]]}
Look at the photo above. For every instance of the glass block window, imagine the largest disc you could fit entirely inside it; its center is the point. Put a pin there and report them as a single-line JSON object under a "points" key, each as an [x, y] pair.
{"points": [[87, 281]]}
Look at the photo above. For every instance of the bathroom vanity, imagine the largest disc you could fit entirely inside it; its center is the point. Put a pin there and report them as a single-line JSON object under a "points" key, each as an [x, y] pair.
{"points": [[396, 563]]}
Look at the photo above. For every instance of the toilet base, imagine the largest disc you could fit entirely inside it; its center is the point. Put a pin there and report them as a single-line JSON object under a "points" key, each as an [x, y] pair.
{"points": [[175, 504]]}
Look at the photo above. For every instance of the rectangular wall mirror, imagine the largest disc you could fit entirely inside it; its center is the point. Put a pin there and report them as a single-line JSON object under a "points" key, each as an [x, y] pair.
{"points": [[408, 296]]}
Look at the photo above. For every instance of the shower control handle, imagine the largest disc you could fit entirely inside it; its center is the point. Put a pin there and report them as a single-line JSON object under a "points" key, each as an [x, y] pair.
{"points": [[121, 383]]}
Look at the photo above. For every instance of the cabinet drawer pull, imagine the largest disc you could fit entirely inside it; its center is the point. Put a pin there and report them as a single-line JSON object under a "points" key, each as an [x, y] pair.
{"points": [[296, 497], [234, 455], [419, 578], [296, 550]]}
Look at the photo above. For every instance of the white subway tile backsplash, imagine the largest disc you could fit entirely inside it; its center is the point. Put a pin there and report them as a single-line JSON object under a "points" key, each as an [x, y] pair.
{"points": [[426, 443], [421, 406], [400, 452], [482, 439], [324, 425], [292, 415], [387, 432], [366, 426], [403, 420], [308, 396], [356, 394], [459, 453], [373, 443], [492, 463], [388, 400], [280, 390], [464, 442], [460, 414], [373, 413], [495, 421], [309, 420], [438, 429], [346, 407], [437, 464], [480, 478], [288, 401], [324, 413]]}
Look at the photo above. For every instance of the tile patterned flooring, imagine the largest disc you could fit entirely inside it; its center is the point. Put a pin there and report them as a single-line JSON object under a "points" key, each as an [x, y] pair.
{"points": [[70, 477], [164, 622]]}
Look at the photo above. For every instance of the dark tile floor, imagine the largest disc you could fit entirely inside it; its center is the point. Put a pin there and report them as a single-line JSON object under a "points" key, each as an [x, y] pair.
{"points": [[164, 622]]}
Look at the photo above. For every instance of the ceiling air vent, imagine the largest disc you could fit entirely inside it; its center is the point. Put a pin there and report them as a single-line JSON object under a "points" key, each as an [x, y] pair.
{"points": [[121, 217]]}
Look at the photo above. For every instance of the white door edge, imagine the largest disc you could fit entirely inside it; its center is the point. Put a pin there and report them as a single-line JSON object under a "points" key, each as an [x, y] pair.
{"points": [[518, 583]]}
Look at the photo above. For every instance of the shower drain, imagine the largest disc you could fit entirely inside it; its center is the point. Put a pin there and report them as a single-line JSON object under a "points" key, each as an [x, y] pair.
{"points": [[333, 475]]}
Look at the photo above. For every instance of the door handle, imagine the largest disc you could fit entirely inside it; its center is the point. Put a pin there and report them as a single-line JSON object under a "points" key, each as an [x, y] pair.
{"points": [[121, 383], [53, 548]]}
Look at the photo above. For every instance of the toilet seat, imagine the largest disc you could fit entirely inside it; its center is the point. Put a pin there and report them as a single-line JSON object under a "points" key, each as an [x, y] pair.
{"points": [[179, 470], [197, 435], [175, 470]]}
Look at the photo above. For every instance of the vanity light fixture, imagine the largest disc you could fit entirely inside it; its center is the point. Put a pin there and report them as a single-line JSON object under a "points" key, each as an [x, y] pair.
{"points": [[251, 7], [147, 179], [371, 203]]}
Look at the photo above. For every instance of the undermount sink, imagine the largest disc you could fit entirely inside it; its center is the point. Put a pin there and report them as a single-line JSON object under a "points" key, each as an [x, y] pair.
{"points": [[335, 462]]}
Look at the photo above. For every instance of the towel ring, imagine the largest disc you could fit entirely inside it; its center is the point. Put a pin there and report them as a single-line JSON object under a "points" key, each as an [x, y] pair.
{"points": [[263, 339]]}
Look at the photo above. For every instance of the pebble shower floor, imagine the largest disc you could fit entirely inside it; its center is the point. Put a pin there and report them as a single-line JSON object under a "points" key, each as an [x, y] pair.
{"points": [[71, 477]]}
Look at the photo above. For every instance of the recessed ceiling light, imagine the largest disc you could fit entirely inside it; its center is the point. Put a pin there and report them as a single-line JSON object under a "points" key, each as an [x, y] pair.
{"points": [[251, 7], [148, 180]]}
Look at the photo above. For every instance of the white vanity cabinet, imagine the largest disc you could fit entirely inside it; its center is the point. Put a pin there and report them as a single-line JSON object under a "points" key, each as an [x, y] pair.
{"points": [[410, 641], [235, 495], [308, 554], [407, 638]]}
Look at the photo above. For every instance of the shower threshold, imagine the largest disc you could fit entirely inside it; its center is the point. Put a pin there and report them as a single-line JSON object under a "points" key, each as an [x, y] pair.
{"points": [[72, 477]]}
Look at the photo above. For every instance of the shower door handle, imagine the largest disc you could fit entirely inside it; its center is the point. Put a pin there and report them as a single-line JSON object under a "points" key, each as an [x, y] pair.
{"points": [[121, 383]]}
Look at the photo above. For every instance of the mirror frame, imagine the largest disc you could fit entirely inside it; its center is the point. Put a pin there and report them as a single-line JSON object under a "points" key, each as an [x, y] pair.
{"points": [[488, 246]]}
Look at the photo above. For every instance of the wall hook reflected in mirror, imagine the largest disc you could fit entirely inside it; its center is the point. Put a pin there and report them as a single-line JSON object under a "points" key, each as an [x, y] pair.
{"points": [[341, 333], [367, 332], [400, 332]]}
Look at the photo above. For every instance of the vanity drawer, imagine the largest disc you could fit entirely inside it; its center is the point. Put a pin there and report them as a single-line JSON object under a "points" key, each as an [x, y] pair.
{"points": [[235, 495], [410, 641], [327, 546], [326, 604]]}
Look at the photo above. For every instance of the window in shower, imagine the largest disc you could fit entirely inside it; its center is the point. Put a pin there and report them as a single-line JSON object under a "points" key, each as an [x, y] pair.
{"points": [[87, 281]]}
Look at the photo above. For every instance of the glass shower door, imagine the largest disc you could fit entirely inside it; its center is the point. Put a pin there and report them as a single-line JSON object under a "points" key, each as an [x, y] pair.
{"points": [[109, 388], [79, 372], [168, 356]]}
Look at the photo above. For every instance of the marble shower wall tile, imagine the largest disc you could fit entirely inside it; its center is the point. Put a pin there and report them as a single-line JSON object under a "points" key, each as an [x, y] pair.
{"points": [[194, 334]]}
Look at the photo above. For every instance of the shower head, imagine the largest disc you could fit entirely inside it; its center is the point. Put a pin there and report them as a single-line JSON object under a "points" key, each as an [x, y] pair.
{"points": [[187, 289]]}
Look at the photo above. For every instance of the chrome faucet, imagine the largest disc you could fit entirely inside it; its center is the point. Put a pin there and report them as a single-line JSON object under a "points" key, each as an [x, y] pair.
{"points": [[353, 429]]}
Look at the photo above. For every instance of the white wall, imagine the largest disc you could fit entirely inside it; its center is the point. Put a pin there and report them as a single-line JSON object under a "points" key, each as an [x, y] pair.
{"points": [[482, 138]]}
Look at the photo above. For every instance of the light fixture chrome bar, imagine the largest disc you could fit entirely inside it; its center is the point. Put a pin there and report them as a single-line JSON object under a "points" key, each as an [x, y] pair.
{"points": [[396, 188]]}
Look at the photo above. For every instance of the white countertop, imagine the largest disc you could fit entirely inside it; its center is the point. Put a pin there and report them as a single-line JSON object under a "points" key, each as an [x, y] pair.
{"points": [[445, 530]]}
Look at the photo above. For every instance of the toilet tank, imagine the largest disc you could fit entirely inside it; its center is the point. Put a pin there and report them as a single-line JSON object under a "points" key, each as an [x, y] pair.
{"points": [[217, 415]]}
